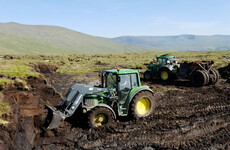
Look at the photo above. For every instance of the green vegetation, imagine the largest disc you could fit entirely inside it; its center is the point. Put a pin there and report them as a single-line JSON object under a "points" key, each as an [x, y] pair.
{"points": [[17, 68], [16, 71], [4, 110], [21, 67], [40, 39], [83, 63], [86, 63], [4, 81]]}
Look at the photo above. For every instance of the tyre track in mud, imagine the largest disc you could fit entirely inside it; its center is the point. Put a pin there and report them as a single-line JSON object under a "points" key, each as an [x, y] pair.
{"points": [[196, 131], [185, 137], [188, 132]]}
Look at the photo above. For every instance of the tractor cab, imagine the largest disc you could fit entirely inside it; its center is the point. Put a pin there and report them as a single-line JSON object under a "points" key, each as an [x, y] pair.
{"points": [[166, 60], [124, 82], [121, 80]]}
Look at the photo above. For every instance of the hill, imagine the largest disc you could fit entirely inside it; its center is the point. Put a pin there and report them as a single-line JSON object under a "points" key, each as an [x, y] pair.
{"points": [[43, 39], [179, 43], [10, 44]]}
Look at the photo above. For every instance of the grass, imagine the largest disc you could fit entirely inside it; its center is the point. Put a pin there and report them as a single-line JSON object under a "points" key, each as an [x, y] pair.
{"points": [[16, 71], [17, 68], [5, 81], [87, 63], [21, 67]]}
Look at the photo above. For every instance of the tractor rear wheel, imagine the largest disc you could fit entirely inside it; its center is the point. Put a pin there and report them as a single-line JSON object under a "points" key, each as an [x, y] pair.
{"points": [[100, 116], [165, 74], [199, 78], [148, 75], [142, 104]]}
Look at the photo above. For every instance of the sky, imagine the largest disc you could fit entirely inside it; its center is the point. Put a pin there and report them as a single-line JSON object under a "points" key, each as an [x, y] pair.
{"points": [[113, 18]]}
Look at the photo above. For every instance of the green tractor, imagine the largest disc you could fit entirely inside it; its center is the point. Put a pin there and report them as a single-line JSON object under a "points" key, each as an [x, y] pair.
{"points": [[120, 94], [166, 68]]}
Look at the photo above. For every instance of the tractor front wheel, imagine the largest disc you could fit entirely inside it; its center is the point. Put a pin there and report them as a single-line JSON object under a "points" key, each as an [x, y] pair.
{"points": [[142, 105], [100, 116]]}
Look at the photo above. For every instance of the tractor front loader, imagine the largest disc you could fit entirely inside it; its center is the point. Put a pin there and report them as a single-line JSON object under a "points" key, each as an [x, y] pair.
{"points": [[120, 94]]}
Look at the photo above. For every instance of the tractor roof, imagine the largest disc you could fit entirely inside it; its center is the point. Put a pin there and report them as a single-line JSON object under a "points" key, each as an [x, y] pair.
{"points": [[166, 56], [121, 71]]}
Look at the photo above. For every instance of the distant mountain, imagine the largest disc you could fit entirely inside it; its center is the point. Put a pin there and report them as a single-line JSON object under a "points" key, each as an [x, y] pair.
{"points": [[178, 43], [43, 39]]}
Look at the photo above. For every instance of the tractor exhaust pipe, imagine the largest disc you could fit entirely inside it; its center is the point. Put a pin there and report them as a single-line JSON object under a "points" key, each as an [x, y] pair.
{"points": [[53, 119]]}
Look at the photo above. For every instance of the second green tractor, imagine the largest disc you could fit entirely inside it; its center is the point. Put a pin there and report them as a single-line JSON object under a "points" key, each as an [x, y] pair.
{"points": [[166, 68]]}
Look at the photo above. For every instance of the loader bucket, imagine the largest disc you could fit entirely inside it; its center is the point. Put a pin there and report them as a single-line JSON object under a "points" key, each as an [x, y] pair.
{"points": [[53, 119]]}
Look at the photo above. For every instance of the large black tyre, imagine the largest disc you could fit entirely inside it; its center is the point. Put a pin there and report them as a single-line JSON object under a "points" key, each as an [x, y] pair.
{"points": [[199, 78], [213, 76], [100, 116], [217, 75], [148, 75], [207, 77], [165, 74], [142, 105]]}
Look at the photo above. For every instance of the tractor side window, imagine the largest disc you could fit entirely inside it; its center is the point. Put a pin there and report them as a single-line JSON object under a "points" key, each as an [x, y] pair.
{"points": [[111, 81], [134, 80], [159, 61], [124, 86], [124, 82], [164, 61]]}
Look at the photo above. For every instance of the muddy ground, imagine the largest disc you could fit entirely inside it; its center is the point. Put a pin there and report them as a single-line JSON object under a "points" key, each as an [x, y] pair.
{"points": [[186, 117]]}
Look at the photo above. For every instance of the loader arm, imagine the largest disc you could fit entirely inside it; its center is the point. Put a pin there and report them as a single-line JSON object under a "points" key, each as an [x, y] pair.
{"points": [[68, 106]]}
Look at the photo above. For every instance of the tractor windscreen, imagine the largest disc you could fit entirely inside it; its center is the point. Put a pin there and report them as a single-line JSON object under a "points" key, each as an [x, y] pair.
{"points": [[111, 81]]}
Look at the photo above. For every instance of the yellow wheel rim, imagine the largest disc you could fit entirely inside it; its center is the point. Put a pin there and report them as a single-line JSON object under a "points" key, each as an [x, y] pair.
{"points": [[143, 106], [100, 120], [164, 75]]}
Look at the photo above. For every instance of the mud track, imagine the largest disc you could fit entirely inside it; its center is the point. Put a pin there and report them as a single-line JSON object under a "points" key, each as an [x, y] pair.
{"points": [[185, 118]]}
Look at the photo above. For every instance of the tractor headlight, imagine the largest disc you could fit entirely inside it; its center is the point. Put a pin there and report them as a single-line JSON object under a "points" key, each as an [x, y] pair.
{"points": [[72, 107]]}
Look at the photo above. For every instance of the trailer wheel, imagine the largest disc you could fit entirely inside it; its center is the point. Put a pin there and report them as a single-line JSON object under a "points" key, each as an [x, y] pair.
{"points": [[207, 77], [142, 105], [148, 75], [100, 116], [217, 74], [165, 74], [213, 76], [199, 78]]}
